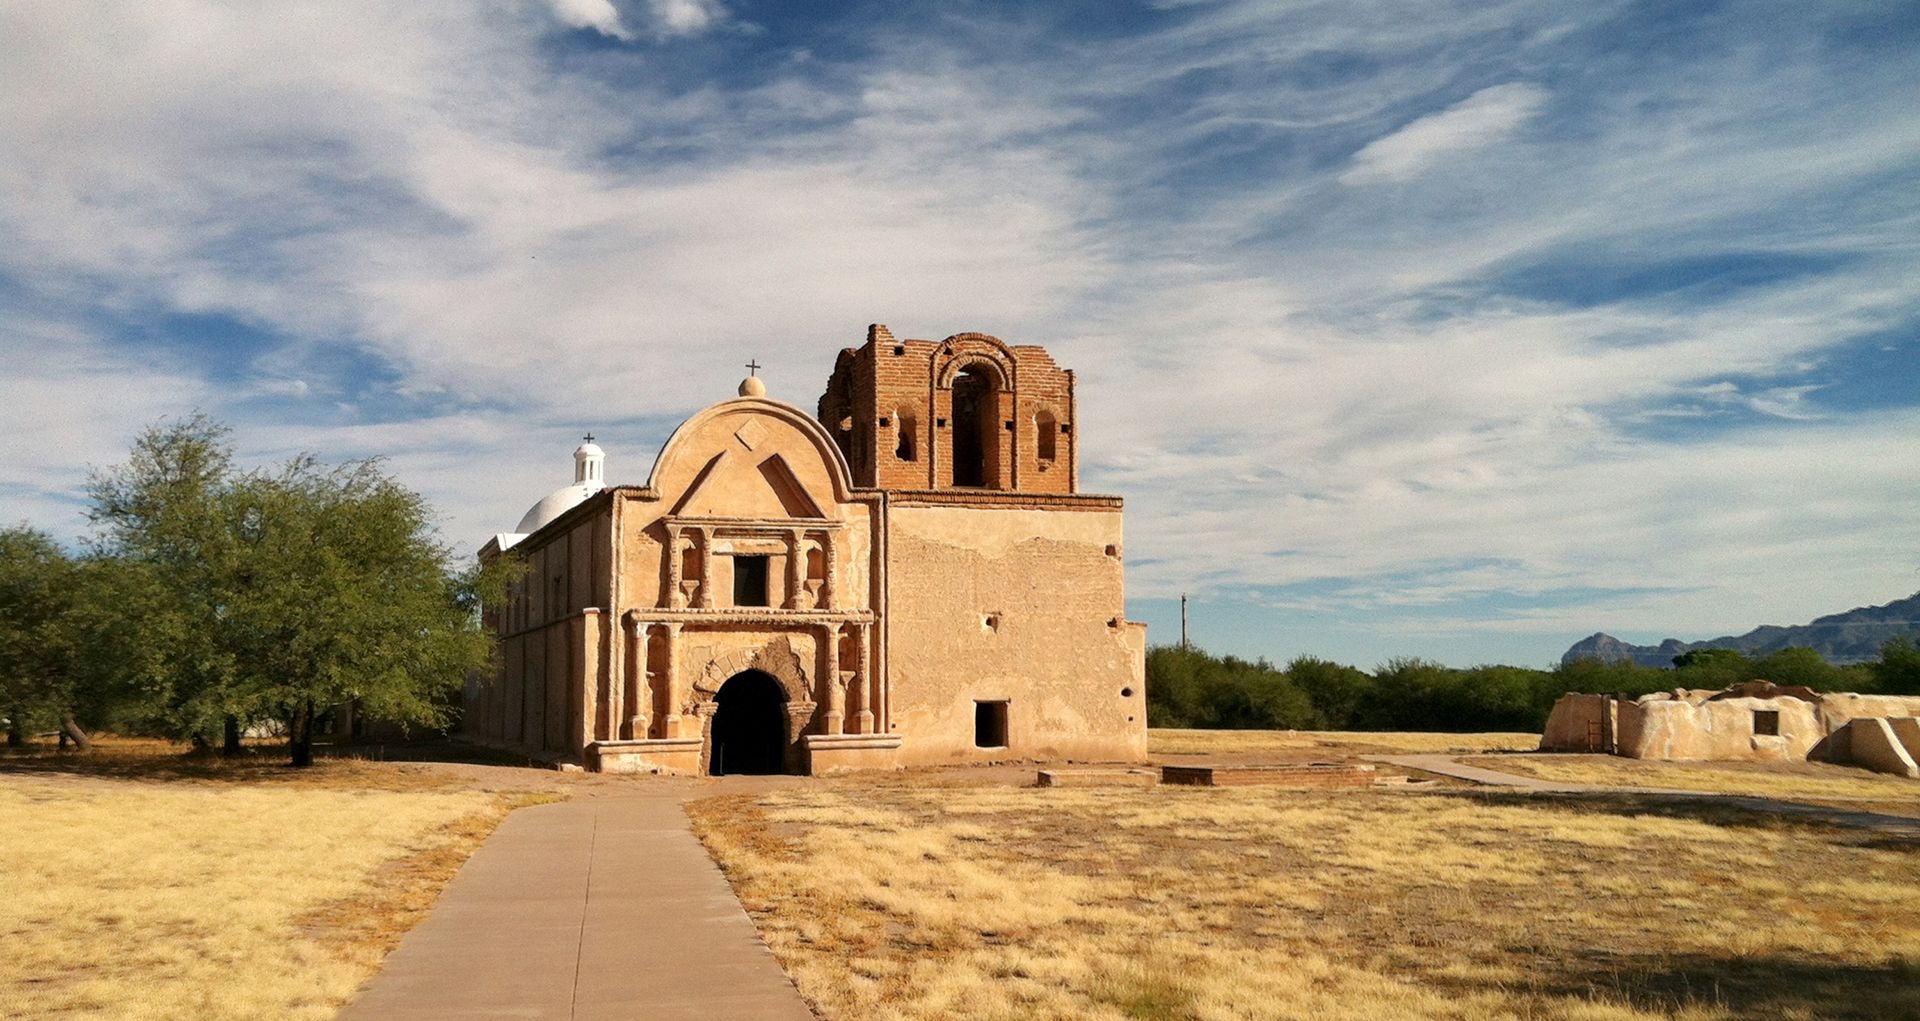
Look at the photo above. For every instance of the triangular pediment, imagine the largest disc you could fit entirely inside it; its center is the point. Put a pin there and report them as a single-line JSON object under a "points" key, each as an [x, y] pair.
{"points": [[736, 484]]}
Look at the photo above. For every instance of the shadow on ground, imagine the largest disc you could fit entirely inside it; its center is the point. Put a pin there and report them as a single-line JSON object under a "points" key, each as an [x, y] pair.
{"points": [[1756, 988], [258, 763]]}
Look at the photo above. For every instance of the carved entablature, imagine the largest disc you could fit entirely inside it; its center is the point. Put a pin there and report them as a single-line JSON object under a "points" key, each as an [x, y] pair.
{"points": [[798, 560]]}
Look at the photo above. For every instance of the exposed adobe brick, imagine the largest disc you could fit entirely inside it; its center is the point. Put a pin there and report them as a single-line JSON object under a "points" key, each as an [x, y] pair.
{"points": [[897, 395]]}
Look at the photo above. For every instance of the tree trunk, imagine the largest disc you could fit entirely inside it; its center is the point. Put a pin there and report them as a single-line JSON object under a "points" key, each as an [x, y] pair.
{"points": [[300, 736], [70, 728], [16, 737], [230, 737]]}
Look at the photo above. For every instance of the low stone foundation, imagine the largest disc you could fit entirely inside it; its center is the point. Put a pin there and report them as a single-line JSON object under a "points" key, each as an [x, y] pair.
{"points": [[1316, 775], [1115, 777], [839, 753], [675, 755]]}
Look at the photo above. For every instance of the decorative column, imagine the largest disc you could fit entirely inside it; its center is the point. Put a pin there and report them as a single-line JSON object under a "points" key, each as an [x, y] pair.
{"points": [[703, 727], [672, 597], [621, 707], [863, 684], [799, 714], [796, 569], [670, 721], [704, 596], [828, 600], [836, 694], [639, 686]]}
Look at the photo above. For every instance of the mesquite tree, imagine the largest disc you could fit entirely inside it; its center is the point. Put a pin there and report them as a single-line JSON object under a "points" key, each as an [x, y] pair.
{"points": [[278, 594]]}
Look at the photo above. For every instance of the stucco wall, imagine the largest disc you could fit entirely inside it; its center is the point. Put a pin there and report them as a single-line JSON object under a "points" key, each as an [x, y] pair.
{"points": [[1657, 728], [1575, 724], [1840, 707], [1020, 604], [542, 695]]}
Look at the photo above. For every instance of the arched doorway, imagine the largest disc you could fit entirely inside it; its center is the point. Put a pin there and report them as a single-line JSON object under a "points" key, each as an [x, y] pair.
{"points": [[976, 450], [749, 732]]}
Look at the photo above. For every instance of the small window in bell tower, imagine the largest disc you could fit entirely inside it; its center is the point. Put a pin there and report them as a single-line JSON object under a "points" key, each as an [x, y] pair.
{"points": [[903, 447]]}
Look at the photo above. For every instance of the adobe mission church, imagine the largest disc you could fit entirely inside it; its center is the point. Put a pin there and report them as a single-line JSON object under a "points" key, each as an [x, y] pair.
{"points": [[910, 577]]}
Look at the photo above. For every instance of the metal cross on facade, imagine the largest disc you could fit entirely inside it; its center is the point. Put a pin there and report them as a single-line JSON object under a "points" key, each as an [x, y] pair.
{"points": [[753, 368]]}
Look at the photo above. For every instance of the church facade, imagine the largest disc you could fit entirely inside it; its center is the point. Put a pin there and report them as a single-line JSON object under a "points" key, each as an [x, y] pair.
{"points": [[910, 576]]}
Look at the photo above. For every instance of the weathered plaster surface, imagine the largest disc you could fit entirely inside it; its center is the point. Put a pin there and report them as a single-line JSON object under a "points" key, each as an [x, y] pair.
{"points": [[893, 606]]}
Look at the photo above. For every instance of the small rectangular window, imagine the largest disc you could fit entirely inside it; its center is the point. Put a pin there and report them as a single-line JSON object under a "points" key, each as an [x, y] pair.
{"points": [[1766, 723], [750, 581], [989, 724]]}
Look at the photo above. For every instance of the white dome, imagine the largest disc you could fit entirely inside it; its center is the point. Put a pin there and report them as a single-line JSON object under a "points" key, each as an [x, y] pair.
{"points": [[555, 504]]}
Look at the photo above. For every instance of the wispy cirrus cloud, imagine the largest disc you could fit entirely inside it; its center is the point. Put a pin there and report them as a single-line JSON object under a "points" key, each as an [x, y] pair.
{"points": [[1485, 118]]}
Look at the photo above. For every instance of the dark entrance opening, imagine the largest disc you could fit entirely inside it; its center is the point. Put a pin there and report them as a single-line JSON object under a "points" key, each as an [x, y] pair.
{"points": [[989, 724], [974, 410], [750, 725]]}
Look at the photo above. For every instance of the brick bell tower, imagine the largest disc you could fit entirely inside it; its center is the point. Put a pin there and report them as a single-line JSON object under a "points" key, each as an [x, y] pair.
{"points": [[965, 413]]}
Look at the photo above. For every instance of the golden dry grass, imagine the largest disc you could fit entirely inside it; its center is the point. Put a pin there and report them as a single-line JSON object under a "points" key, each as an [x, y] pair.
{"points": [[1333, 742], [1770, 779], [894, 900], [233, 891]]}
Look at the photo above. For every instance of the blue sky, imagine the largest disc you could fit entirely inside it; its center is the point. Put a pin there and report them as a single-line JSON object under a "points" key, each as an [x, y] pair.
{"points": [[1449, 329]]}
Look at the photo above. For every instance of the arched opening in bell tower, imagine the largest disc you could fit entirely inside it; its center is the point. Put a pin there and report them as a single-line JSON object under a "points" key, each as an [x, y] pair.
{"points": [[976, 434]]}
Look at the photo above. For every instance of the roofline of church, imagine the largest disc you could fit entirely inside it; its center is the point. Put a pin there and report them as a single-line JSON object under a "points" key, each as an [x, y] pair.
{"points": [[981, 499]]}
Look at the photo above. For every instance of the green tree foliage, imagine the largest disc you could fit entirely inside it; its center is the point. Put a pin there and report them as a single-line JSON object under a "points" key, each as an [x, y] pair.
{"points": [[1898, 672], [36, 599], [341, 593], [62, 620], [1190, 688], [274, 595], [1800, 666], [160, 520], [1712, 668], [1336, 690]]}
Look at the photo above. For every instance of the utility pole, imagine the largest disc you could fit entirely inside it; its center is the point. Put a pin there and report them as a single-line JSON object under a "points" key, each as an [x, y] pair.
{"points": [[1183, 620]]}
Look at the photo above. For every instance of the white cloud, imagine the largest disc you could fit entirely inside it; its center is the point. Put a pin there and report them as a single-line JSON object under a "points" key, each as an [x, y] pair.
{"points": [[1481, 120], [599, 15], [1289, 379], [685, 17]]}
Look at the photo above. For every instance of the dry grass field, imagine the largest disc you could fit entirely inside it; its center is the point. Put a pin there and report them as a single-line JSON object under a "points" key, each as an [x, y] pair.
{"points": [[143, 885], [1767, 779], [1292, 743], [886, 898]]}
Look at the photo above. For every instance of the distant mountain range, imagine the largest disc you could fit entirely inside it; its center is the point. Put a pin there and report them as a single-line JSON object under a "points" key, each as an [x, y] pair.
{"points": [[1851, 637]]}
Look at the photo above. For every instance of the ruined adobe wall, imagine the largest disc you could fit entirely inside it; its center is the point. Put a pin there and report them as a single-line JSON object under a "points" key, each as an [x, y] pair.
{"points": [[1667, 728], [1021, 603], [1840, 707]]}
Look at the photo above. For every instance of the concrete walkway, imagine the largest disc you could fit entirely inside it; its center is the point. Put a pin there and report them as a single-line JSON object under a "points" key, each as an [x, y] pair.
{"points": [[1445, 765], [604, 907]]}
